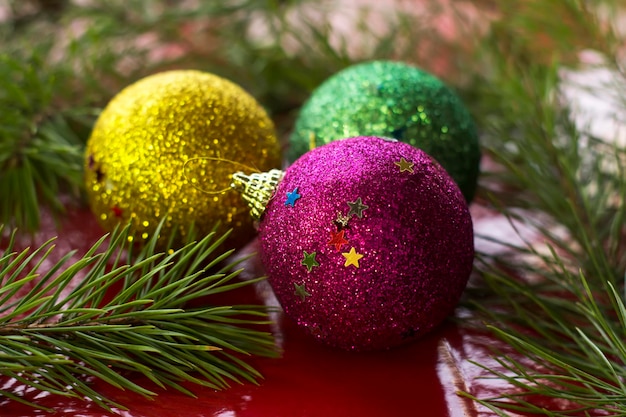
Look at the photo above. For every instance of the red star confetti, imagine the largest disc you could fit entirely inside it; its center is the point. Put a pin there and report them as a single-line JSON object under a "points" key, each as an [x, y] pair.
{"points": [[337, 239]]}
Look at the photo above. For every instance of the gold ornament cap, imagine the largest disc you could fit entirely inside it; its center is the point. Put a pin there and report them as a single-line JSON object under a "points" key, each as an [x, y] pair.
{"points": [[257, 189]]}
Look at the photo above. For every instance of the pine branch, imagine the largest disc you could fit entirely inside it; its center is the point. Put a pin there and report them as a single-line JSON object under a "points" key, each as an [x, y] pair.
{"points": [[566, 325], [576, 346], [124, 317]]}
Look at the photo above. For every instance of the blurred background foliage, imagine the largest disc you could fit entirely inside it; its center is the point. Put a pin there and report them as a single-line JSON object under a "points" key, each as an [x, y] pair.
{"points": [[61, 61]]}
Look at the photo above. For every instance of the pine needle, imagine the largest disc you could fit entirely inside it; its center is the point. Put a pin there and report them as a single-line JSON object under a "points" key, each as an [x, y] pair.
{"points": [[52, 341], [557, 301]]}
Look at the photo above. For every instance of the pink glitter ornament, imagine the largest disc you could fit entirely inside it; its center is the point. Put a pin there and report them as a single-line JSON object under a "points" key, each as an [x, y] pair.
{"points": [[367, 243]]}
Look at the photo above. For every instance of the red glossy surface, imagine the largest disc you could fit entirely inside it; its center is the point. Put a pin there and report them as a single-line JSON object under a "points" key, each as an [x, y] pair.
{"points": [[309, 380]]}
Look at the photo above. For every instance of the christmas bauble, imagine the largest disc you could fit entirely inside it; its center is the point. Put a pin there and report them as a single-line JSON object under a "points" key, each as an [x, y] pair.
{"points": [[367, 243], [392, 99], [165, 147]]}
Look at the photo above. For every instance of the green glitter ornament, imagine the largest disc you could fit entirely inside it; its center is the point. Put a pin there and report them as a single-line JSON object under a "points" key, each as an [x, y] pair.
{"points": [[392, 99]]}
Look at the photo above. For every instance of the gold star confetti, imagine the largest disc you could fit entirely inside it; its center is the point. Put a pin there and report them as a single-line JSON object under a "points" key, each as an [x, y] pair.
{"points": [[341, 220], [352, 258], [405, 165], [311, 141], [301, 291]]}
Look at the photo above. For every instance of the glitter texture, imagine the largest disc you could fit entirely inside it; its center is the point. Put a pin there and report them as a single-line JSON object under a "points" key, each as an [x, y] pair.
{"points": [[392, 99], [388, 276], [137, 152]]}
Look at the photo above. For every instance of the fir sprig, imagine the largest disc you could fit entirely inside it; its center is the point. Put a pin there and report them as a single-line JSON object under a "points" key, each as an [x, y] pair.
{"points": [[568, 333], [128, 314], [557, 301]]}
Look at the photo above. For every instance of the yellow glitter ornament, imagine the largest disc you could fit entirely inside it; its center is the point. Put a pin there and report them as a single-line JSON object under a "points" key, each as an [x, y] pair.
{"points": [[167, 145]]}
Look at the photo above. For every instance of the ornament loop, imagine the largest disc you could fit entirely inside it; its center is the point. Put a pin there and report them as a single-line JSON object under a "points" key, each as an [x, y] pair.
{"points": [[218, 159]]}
